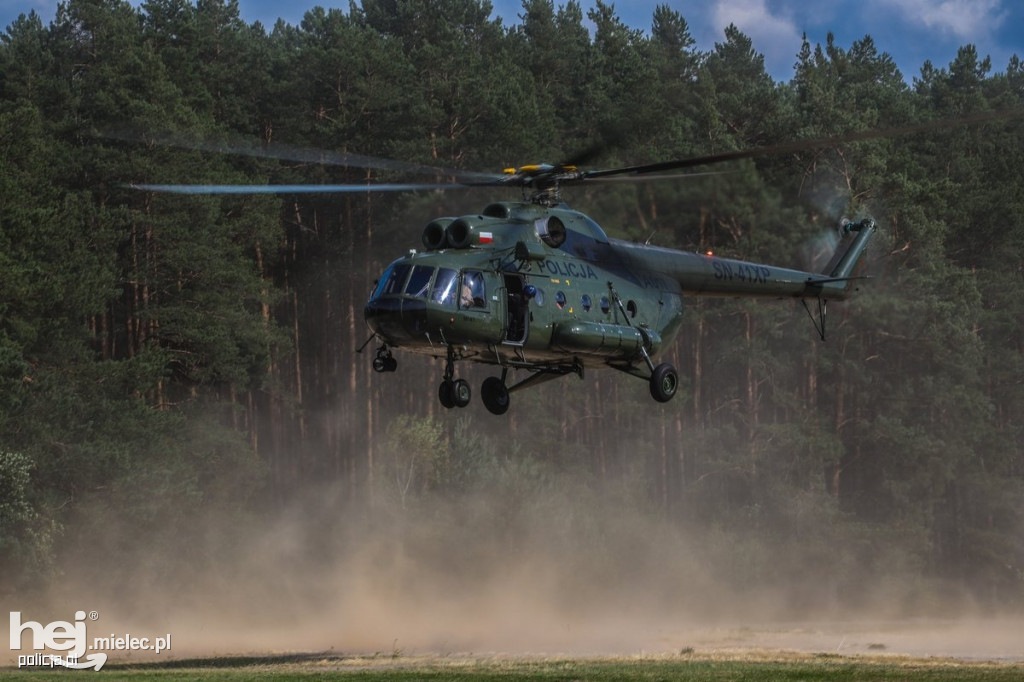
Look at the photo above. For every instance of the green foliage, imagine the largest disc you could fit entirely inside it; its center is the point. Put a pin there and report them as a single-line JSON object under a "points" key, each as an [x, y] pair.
{"points": [[416, 457], [27, 535]]}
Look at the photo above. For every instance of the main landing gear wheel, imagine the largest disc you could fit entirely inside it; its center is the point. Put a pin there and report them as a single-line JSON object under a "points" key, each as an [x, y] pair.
{"points": [[454, 393], [445, 394], [461, 392], [494, 394], [664, 382]]}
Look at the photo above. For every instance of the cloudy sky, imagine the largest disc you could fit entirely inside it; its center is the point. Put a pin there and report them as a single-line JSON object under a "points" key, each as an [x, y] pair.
{"points": [[911, 31]]}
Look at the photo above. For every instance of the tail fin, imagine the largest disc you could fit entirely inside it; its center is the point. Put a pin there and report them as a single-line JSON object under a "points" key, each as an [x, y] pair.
{"points": [[853, 242], [839, 273]]}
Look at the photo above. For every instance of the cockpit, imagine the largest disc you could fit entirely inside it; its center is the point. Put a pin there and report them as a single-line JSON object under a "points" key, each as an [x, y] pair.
{"points": [[438, 285], [411, 300]]}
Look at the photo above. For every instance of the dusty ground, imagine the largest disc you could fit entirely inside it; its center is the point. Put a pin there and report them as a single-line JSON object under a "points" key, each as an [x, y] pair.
{"points": [[961, 640], [578, 580], [970, 640]]}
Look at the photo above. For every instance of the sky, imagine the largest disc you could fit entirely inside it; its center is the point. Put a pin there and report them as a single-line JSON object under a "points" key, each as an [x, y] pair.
{"points": [[910, 31]]}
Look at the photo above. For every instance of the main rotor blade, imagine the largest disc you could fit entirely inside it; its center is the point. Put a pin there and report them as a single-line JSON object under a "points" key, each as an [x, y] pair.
{"points": [[658, 178], [802, 145], [286, 152], [295, 189]]}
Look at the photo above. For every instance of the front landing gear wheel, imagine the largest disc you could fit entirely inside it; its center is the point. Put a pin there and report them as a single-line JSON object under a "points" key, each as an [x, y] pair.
{"points": [[494, 393], [384, 361], [664, 383]]}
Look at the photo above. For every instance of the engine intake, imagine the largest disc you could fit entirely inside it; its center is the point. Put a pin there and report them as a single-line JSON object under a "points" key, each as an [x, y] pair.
{"points": [[434, 234], [459, 233], [551, 230]]}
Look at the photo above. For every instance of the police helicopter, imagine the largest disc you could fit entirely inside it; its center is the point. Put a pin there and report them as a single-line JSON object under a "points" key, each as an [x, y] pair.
{"points": [[539, 287], [534, 286]]}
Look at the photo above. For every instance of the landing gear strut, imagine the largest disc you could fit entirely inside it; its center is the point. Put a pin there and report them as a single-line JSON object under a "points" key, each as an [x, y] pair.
{"points": [[453, 392], [664, 380]]}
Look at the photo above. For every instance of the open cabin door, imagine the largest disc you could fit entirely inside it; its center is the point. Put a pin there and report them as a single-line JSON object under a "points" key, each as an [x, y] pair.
{"points": [[517, 310]]}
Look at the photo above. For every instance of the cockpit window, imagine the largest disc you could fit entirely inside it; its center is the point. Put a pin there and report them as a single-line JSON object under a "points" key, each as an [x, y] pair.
{"points": [[444, 287], [419, 281], [473, 293], [393, 284]]}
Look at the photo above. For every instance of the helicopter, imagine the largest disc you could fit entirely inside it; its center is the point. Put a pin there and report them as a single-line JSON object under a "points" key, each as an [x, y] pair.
{"points": [[536, 286]]}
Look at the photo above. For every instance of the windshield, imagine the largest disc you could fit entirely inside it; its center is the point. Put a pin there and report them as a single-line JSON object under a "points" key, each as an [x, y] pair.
{"points": [[419, 281], [444, 287], [440, 285], [393, 279]]}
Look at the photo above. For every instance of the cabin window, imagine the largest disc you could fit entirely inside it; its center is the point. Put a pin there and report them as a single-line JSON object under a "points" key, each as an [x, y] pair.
{"points": [[474, 294], [631, 308], [586, 302], [396, 280], [539, 297], [605, 305], [444, 286], [419, 281], [560, 299]]}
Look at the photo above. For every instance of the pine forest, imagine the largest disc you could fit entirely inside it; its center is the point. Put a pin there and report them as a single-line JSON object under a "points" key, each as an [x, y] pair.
{"points": [[179, 373]]}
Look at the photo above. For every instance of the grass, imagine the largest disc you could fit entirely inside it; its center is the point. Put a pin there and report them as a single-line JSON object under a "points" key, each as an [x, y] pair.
{"points": [[687, 665]]}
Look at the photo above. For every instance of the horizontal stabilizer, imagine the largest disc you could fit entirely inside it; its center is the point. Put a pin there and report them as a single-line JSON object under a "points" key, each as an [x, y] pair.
{"points": [[832, 280]]}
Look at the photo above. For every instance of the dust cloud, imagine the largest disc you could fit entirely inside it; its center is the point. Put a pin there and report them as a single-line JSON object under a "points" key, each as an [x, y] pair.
{"points": [[562, 568]]}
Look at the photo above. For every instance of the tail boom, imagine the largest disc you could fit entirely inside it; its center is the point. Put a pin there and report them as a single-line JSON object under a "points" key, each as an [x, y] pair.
{"points": [[708, 275]]}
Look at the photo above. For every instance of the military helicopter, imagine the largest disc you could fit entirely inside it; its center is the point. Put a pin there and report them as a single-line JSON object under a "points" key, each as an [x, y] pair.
{"points": [[536, 286]]}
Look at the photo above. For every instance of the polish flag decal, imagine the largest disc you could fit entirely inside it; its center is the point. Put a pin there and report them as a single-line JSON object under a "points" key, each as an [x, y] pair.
{"points": [[486, 237]]}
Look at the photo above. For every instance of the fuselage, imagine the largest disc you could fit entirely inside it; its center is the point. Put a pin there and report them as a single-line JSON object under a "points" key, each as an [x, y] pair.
{"points": [[528, 285]]}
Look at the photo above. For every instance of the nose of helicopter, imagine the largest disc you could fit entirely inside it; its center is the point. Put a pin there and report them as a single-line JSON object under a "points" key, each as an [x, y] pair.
{"points": [[396, 319]]}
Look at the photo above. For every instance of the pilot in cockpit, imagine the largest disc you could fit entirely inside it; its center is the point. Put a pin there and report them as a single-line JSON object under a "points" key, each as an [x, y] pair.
{"points": [[472, 291]]}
